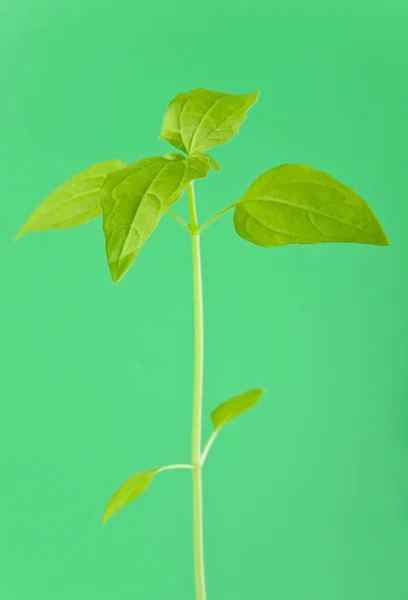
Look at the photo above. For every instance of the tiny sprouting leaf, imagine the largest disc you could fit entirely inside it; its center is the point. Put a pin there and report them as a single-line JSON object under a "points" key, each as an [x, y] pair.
{"points": [[206, 157], [74, 202], [296, 204], [135, 198], [128, 491], [232, 408], [201, 119]]}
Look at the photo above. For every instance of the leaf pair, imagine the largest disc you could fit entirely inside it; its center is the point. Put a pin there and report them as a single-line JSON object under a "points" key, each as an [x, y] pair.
{"points": [[136, 485], [132, 199]]}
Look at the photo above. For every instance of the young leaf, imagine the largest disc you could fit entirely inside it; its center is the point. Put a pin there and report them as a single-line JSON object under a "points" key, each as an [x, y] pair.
{"points": [[135, 198], [212, 164], [134, 487], [73, 203], [129, 491], [230, 410], [234, 407], [201, 119], [296, 204]]}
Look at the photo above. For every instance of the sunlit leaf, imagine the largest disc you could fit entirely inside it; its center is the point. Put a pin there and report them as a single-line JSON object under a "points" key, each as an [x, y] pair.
{"points": [[135, 198], [134, 487], [234, 407], [73, 203], [210, 161], [200, 119], [296, 204], [129, 491]]}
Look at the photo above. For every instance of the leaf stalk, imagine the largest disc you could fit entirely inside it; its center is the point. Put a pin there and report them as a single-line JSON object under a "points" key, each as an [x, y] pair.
{"points": [[216, 217]]}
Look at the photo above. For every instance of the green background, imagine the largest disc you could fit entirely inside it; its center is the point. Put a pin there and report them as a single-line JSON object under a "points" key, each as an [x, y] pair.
{"points": [[306, 496]]}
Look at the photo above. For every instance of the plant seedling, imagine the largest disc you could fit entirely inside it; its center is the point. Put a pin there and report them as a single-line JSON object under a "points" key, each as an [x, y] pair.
{"points": [[288, 204]]}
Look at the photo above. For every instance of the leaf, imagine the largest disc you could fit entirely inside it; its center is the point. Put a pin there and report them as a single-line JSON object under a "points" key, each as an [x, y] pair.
{"points": [[211, 162], [132, 488], [135, 198], [73, 203], [234, 407], [201, 119], [129, 491], [296, 204]]}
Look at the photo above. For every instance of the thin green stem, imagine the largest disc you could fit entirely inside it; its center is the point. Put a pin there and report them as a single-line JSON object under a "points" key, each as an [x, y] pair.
{"points": [[171, 467], [208, 446], [179, 220], [215, 217], [197, 401]]}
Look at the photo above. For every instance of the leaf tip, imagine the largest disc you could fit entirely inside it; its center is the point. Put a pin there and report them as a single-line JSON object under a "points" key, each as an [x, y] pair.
{"points": [[254, 96], [116, 273], [20, 233], [383, 239]]}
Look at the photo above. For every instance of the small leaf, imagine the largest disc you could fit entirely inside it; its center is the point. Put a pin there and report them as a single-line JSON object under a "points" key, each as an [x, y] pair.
{"points": [[211, 162], [234, 407], [201, 119], [129, 491], [296, 204], [135, 198], [73, 203], [134, 487]]}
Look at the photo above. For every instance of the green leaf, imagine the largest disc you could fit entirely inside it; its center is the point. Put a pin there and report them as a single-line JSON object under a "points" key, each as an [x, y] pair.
{"points": [[296, 204], [134, 487], [73, 203], [129, 491], [234, 407], [212, 164], [135, 198], [201, 119]]}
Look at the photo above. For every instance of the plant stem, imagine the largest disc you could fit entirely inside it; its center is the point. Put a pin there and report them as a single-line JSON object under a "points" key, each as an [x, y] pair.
{"points": [[197, 401], [208, 447]]}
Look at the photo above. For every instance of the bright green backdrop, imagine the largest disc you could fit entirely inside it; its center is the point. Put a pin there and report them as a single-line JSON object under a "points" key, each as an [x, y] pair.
{"points": [[306, 497]]}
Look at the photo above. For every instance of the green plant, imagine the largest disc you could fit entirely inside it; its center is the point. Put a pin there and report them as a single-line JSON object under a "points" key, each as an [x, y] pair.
{"points": [[288, 204]]}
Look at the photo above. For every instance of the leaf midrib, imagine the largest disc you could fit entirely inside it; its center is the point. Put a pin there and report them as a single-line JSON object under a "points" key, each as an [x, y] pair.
{"points": [[309, 211]]}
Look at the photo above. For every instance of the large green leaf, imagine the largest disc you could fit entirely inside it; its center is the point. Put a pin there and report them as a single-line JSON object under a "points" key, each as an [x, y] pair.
{"points": [[197, 120], [73, 203], [296, 204], [234, 407], [135, 198]]}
